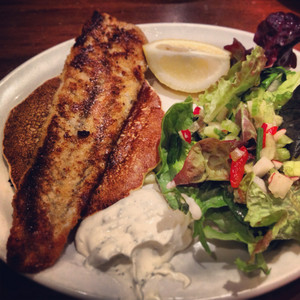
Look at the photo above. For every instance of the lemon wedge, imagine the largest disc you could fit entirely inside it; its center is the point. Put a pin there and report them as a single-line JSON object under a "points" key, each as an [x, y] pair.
{"points": [[185, 65]]}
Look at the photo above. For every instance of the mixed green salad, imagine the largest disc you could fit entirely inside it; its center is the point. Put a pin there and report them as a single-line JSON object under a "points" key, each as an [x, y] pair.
{"points": [[235, 149]]}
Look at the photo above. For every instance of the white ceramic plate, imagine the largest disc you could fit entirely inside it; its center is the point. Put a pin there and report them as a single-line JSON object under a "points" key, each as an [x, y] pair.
{"points": [[211, 278]]}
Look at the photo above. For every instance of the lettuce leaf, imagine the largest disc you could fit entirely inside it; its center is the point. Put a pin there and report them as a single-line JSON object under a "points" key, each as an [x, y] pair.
{"points": [[237, 50], [276, 89], [207, 195], [173, 150], [282, 215], [224, 95], [243, 120], [223, 219], [208, 159], [278, 34], [257, 263], [284, 92]]}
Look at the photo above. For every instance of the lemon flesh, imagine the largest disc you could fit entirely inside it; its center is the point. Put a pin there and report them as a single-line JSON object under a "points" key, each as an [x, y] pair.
{"points": [[184, 65]]}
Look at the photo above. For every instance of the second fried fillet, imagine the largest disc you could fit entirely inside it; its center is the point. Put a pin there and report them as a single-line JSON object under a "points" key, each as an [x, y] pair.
{"points": [[24, 127], [136, 152]]}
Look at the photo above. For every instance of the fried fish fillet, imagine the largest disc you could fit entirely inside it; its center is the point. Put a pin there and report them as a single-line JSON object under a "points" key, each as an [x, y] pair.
{"points": [[99, 85], [24, 127], [135, 154]]}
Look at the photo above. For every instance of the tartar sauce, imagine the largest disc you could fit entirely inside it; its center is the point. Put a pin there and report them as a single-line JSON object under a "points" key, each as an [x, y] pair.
{"points": [[142, 228]]}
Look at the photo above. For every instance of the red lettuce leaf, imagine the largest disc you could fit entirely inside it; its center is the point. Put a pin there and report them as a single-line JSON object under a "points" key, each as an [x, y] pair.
{"points": [[238, 51], [243, 119], [278, 34], [208, 159]]}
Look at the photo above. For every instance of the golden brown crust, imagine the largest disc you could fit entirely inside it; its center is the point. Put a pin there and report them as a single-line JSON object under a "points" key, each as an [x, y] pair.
{"points": [[100, 83], [136, 152], [24, 126]]}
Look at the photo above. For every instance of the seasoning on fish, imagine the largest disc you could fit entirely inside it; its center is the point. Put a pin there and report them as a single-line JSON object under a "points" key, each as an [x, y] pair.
{"points": [[24, 127], [99, 85], [136, 152]]}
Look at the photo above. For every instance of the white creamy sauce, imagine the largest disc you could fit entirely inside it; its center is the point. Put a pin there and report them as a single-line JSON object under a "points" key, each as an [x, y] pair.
{"points": [[135, 239], [194, 208]]}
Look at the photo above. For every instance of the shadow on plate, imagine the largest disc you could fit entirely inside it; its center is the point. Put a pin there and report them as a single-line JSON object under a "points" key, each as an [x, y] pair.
{"points": [[226, 252]]}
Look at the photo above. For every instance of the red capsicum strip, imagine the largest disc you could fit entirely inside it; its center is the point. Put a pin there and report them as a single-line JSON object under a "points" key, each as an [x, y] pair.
{"points": [[271, 130], [197, 110], [187, 135], [264, 127], [238, 168]]}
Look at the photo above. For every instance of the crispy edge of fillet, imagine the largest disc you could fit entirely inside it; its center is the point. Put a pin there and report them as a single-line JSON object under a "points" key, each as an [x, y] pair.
{"points": [[136, 152], [23, 129], [100, 82]]}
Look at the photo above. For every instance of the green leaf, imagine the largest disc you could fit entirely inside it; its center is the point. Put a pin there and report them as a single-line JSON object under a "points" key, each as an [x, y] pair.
{"points": [[250, 266], [226, 92], [227, 227], [264, 103], [283, 215], [173, 150]]}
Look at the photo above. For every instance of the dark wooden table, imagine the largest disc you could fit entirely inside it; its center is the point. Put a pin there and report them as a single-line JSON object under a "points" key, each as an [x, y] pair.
{"points": [[28, 27]]}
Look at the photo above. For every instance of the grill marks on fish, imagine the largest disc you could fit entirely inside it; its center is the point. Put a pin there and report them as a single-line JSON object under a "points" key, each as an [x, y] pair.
{"points": [[95, 96], [135, 154], [95, 22]]}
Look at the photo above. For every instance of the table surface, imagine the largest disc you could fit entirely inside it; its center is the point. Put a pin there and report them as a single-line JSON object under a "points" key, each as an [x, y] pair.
{"points": [[28, 27]]}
